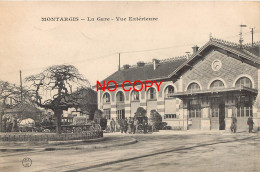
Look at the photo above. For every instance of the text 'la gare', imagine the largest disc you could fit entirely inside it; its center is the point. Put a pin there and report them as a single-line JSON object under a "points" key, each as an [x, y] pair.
{"points": [[133, 85]]}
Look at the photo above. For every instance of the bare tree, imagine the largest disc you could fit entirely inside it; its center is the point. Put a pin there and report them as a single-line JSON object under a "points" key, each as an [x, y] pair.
{"points": [[53, 89]]}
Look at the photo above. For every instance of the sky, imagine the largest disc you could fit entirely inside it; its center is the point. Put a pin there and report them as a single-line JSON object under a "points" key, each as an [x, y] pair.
{"points": [[29, 44]]}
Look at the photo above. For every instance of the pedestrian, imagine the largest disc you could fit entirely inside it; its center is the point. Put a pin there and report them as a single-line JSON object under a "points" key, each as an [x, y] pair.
{"points": [[9, 124], [135, 125], [145, 125], [131, 125], [233, 124], [15, 126], [121, 123], [112, 125], [4, 125], [250, 124], [125, 125]]}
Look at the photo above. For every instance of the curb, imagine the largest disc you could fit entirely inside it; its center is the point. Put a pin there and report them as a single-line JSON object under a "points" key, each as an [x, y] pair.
{"points": [[132, 141], [75, 141]]}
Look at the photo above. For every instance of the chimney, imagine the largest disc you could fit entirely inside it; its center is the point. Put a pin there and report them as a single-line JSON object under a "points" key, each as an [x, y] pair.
{"points": [[195, 49], [155, 63], [140, 64], [126, 66]]}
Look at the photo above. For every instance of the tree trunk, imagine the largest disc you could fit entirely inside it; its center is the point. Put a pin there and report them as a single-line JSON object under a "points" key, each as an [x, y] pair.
{"points": [[1, 121], [58, 114], [1, 116]]}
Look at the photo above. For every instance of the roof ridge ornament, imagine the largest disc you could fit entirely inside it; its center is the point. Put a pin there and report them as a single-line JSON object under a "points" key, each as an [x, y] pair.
{"points": [[228, 43], [210, 36]]}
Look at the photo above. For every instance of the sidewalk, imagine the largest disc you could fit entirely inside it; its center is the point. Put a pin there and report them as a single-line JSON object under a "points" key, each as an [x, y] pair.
{"points": [[205, 132], [189, 132], [105, 142]]}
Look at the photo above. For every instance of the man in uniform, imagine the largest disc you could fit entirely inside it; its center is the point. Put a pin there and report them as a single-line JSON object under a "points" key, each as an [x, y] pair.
{"points": [[233, 124], [135, 125], [250, 124], [125, 124], [112, 125]]}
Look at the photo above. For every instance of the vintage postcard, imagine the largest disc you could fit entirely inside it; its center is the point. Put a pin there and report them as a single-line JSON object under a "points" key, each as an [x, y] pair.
{"points": [[129, 86]]}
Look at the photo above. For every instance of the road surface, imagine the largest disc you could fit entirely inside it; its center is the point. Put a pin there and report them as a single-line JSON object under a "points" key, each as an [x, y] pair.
{"points": [[152, 152]]}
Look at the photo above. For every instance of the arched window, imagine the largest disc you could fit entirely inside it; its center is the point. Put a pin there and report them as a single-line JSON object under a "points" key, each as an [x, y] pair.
{"points": [[135, 96], [151, 93], [168, 90], [193, 86], [244, 82], [217, 84], [106, 98], [120, 97]]}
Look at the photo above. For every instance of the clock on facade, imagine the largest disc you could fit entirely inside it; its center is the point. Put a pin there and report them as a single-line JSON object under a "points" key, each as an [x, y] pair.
{"points": [[216, 65]]}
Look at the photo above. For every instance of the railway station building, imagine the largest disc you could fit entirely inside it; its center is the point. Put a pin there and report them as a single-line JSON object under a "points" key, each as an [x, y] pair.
{"points": [[199, 92]]}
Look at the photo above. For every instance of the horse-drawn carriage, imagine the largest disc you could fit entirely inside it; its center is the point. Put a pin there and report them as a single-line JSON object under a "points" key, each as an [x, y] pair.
{"points": [[142, 124]]}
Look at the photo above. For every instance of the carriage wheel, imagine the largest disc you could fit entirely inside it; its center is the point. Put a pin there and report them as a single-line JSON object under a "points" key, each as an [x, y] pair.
{"points": [[84, 128], [78, 130], [91, 128], [140, 127], [97, 127]]}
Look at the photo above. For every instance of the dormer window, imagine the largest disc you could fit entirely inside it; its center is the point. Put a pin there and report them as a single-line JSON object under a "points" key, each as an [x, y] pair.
{"points": [[217, 84], [106, 98], [244, 82], [135, 96], [120, 97], [168, 90], [193, 87], [151, 94]]}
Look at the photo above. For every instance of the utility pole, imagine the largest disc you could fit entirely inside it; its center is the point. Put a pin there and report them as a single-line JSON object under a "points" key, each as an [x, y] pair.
{"points": [[252, 31], [21, 86], [241, 35], [119, 62]]}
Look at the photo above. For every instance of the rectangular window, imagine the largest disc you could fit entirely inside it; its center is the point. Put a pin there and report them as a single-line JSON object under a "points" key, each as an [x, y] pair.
{"points": [[121, 114], [215, 112], [195, 113], [244, 111], [107, 113], [198, 113], [194, 109], [247, 111], [170, 116], [238, 112]]}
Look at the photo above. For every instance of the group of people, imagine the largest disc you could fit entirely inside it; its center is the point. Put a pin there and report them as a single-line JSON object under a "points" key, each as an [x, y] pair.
{"points": [[10, 124], [128, 125], [233, 126]]}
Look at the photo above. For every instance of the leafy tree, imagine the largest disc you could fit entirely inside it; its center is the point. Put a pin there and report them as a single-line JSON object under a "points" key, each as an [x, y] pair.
{"points": [[140, 112], [156, 120], [98, 115], [87, 101], [59, 81]]}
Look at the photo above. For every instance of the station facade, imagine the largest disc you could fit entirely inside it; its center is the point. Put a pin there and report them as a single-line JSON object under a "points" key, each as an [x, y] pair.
{"points": [[202, 91]]}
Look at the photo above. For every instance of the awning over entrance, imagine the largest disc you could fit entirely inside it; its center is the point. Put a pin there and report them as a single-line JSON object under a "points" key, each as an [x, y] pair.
{"points": [[242, 90]]}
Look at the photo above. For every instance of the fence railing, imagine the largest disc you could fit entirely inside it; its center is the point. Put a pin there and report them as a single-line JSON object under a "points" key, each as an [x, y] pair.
{"points": [[51, 137]]}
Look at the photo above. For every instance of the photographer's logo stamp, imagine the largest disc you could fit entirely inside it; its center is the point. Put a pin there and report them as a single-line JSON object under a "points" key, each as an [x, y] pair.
{"points": [[27, 162]]}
